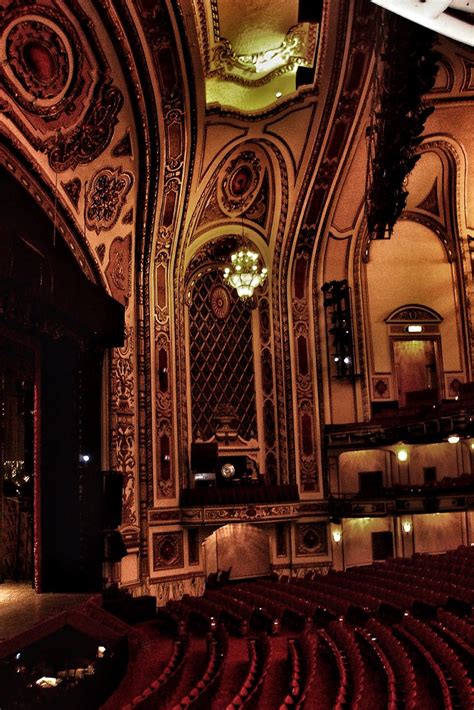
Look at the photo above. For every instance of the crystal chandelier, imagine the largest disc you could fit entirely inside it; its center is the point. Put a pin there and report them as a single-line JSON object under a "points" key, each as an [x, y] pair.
{"points": [[245, 273]]}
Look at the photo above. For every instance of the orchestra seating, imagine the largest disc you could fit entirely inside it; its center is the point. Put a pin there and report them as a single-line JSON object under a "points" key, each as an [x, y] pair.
{"points": [[341, 647]]}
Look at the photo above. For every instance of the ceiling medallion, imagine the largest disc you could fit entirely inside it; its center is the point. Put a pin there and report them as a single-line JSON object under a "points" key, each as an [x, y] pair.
{"points": [[220, 302], [240, 182], [38, 61]]}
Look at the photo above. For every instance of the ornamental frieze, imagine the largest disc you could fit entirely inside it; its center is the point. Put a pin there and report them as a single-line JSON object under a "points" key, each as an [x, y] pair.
{"points": [[123, 460], [122, 392], [250, 512]]}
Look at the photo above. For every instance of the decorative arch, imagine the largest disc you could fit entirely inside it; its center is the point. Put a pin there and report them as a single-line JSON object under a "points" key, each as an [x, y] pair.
{"points": [[239, 196], [414, 313], [21, 166]]}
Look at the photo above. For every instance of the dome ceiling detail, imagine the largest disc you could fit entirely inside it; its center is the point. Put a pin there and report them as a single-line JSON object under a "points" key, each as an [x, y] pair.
{"points": [[250, 58]]}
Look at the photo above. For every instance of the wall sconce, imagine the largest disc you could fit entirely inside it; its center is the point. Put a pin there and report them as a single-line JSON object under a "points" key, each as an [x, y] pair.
{"points": [[407, 526], [402, 455], [337, 536]]}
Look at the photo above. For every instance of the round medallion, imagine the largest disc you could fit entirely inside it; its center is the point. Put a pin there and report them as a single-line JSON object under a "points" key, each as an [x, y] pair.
{"points": [[311, 539], [38, 60], [239, 181], [220, 302], [167, 552]]}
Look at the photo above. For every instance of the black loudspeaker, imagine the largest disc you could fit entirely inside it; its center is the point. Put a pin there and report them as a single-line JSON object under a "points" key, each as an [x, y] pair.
{"points": [[112, 491], [310, 10]]}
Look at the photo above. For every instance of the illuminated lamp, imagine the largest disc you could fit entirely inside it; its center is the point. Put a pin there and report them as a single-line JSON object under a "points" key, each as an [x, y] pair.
{"points": [[453, 438], [414, 328], [337, 536], [246, 272], [402, 455], [407, 526]]}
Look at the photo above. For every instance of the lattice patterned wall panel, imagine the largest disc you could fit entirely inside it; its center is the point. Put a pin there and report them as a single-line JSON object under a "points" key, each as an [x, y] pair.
{"points": [[221, 356]]}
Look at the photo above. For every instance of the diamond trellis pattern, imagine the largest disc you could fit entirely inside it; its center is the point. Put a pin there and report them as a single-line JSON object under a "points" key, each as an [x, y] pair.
{"points": [[221, 355]]}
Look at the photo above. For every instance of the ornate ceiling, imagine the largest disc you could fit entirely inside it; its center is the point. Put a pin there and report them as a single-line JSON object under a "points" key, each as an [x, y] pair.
{"points": [[250, 58]]}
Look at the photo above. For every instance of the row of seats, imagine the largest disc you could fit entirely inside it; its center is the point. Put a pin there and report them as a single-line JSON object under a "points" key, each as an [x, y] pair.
{"points": [[302, 663], [355, 669], [450, 665], [372, 659], [260, 656], [161, 689], [342, 694], [388, 672], [406, 635], [461, 627], [399, 662], [200, 695]]}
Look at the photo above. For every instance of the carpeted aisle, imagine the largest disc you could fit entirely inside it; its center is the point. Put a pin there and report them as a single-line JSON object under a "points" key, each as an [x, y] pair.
{"points": [[276, 684], [234, 673]]}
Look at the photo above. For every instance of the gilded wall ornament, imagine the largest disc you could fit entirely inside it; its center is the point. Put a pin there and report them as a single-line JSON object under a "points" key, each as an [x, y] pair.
{"points": [[90, 138], [240, 183], [167, 550], [72, 188], [118, 268], [40, 59], [105, 198]]}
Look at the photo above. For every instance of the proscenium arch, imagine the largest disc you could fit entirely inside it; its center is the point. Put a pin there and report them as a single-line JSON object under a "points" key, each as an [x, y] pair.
{"points": [[24, 170]]}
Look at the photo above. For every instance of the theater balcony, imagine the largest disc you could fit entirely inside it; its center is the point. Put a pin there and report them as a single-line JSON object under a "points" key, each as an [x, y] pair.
{"points": [[226, 485], [240, 503], [451, 494], [414, 459], [424, 419]]}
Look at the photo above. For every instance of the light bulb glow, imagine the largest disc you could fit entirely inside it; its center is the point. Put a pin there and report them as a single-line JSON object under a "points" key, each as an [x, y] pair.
{"points": [[402, 455], [245, 275]]}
